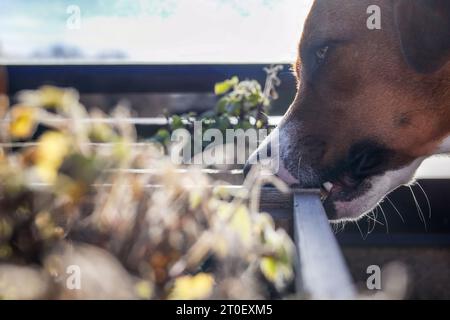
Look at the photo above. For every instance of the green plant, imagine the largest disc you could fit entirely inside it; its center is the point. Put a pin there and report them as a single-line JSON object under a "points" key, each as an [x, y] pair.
{"points": [[241, 105]]}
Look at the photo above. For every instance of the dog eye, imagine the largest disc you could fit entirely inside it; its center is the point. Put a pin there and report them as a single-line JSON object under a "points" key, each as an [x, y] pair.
{"points": [[321, 53]]}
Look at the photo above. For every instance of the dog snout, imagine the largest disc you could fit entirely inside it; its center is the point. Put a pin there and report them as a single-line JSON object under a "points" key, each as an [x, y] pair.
{"points": [[366, 159], [269, 157], [257, 157]]}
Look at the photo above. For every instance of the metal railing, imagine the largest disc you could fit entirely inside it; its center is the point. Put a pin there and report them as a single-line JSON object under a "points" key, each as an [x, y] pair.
{"points": [[321, 269]]}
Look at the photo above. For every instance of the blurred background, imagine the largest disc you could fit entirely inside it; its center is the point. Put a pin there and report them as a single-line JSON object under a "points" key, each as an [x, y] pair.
{"points": [[151, 31], [158, 55], [168, 32]]}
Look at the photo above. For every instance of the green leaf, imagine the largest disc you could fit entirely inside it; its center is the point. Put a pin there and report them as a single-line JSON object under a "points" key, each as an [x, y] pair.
{"points": [[177, 122], [162, 136], [222, 105]]}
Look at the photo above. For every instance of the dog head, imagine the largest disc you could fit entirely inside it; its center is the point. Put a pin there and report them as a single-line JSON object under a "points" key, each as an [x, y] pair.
{"points": [[371, 105]]}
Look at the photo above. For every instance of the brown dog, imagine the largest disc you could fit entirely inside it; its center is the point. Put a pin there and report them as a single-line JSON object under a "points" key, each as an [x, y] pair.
{"points": [[371, 104]]}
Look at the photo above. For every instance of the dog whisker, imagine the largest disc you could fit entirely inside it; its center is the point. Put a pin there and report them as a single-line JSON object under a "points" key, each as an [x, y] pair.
{"points": [[343, 223], [426, 197], [335, 227], [370, 217], [368, 223], [419, 209], [360, 231], [385, 218], [375, 220], [395, 208]]}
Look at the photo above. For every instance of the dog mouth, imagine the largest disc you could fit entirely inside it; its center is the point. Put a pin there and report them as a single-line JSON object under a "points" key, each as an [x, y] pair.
{"points": [[337, 188], [340, 188], [343, 189]]}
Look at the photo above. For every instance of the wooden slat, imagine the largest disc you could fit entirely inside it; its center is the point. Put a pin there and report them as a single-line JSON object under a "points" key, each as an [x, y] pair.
{"points": [[322, 272], [272, 199]]}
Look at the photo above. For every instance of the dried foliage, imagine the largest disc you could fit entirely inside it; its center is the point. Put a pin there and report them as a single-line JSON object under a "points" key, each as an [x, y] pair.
{"points": [[69, 202]]}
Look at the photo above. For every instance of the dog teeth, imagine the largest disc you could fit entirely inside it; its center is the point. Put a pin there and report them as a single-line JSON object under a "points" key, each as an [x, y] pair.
{"points": [[326, 190], [328, 186]]}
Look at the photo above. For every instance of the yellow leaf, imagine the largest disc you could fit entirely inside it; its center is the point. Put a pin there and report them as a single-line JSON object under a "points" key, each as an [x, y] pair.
{"points": [[101, 132], [269, 268], [227, 85], [144, 290], [259, 124], [46, 172], [51, 96], [277, 272], [52, 148], [121, 150], [223, 209], [23, 122], [56, 97], [195, 199], [195, 287]]}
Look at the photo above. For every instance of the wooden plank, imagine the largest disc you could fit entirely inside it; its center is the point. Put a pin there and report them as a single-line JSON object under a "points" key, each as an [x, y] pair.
{"points": [[322, 272], [272, 199]]}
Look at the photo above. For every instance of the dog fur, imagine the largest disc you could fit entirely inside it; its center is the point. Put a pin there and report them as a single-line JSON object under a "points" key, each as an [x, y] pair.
{"points": [[371, 105]]}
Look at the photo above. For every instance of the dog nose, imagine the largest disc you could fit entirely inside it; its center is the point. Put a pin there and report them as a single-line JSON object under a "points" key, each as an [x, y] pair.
{"points": [[366, 160]]}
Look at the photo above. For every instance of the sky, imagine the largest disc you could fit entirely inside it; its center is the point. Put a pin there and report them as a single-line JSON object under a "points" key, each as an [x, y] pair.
{"points": [[160, 31]]}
